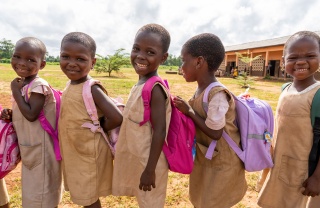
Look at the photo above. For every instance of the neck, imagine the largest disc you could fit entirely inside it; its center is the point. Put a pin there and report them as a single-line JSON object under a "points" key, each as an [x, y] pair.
{"points": [[303, 84], [143, 79]]}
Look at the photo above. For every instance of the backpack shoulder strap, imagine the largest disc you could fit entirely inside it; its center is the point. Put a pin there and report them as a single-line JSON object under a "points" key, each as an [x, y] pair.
{"points": [[88, 100], [205, 99], [285, 85], [146, 96], [45, 124], [92, 110], [315, 107]]}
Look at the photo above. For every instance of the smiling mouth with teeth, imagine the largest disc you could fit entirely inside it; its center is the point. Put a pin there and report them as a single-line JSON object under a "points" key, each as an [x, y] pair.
{"points": [[301, 70], [141, 65]]}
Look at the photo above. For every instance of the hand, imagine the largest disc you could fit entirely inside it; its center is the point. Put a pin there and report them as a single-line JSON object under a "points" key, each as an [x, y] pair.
{"points": [[147, 180], [6, 114], [182, 105], [312, 186], [17, 84]]}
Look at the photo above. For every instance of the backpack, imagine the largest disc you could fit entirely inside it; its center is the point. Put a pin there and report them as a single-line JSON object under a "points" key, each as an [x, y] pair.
{"points": [[112, 137], [45, 124], [315, 122], [181, 133], [255, 123], [9, 148]]}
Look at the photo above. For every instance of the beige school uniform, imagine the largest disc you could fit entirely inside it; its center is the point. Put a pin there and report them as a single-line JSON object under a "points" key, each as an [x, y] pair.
{"points": [[41, 173], [86, 158], [219, 182], [132, 153], [4, 197], [292, 143]]}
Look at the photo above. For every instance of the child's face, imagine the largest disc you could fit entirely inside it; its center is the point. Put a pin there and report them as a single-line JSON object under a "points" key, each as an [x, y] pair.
{"points": [[147, 53], [302, 58], [76, 61], [27, 59], [188, 66]]}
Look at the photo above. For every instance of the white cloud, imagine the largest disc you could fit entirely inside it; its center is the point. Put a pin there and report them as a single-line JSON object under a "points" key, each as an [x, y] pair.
{"points": [[113, 24]]}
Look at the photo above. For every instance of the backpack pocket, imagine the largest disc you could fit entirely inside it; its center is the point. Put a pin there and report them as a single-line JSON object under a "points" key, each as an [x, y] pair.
{"points": [[31, 156], [292, 171], [215, 162]]}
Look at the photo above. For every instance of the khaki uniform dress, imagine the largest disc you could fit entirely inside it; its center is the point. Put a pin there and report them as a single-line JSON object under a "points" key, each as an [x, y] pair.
{"points": [[41, 173], [132, 153], [292, 143], [219, 182], [4, 197], [86, 158]]}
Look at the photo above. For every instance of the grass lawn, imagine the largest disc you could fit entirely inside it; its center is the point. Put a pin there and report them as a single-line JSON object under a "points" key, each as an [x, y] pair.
{"points": [[119, 85]]}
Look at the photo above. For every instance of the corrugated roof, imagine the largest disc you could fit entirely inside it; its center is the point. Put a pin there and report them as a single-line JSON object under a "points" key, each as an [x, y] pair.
{"points": [[260, 44]]}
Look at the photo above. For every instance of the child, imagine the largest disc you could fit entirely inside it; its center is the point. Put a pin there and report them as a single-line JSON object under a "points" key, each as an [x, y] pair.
{"points": [[288, 184], [87, 159], [4, 197], [140, 167], [41, 174], [219, 182]]}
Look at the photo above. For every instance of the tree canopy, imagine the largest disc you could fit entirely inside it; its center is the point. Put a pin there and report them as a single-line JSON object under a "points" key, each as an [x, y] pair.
{"points": [[6, 49], [112, 62]]}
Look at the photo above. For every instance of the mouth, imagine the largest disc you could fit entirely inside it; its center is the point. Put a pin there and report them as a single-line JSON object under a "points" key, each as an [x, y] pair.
{"points": [[141, 65], [72, 71], [301, 70]]}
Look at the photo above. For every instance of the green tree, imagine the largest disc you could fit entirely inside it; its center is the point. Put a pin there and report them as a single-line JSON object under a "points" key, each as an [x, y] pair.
{"points": [[244, 79], [112, 62], [6, 49]]}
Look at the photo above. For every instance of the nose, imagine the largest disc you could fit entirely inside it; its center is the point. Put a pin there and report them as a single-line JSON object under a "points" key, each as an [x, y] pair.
{"points": [[301, 61]]}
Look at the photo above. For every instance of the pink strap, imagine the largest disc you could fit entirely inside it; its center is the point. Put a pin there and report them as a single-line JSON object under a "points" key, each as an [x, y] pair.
{"points": [[45, 124], [92, 111], [146, 96]]}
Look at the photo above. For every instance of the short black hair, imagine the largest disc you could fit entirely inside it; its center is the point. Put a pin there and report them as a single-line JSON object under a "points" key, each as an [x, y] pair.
{"points": [[161, 31], [209, 46], [82, 38], [37, 43], [301, 35]]}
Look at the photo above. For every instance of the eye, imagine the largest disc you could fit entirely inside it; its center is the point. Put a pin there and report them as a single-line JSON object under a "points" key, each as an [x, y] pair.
{"points": [[80, 59], [15, 56], [64, 57], [135, 49], [151, 53], [31, 60]]}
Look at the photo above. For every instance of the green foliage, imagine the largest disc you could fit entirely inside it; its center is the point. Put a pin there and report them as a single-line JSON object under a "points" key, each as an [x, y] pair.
{"points": [[247, 59], [6, 49], [52, 58], [172, 60], [112, 62], [5, 60], [244, 80]]}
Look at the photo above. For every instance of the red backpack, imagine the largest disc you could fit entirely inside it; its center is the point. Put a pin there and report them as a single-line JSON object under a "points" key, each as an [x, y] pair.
{"points": [[181, 133], [9, 148]]}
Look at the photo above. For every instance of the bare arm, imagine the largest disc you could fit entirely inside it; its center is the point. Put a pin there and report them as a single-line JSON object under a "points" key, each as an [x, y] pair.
{"points": [[186, 109], [112, 115], [158, 120], [32, 109]]}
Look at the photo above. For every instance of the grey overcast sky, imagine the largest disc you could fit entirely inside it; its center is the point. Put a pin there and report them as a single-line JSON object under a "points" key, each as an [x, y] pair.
{"points": [[113, 24]]}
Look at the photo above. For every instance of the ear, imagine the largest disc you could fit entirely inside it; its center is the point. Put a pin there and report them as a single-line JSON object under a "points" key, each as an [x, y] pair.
{"points": [[93, 62], [200, 62], [43, 64], [164, 57], [283, 62]]}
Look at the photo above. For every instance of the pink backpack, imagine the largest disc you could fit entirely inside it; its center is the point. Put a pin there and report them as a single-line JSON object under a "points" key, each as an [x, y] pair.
{"points": [[9, 148], [181, 133], [255, 123], [45, 124], [112, 137]]}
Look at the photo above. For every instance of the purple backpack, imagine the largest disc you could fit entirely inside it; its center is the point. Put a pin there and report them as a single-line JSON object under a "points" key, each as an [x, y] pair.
{"points": [[181, 133], [255, 123], [9, 148]]}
